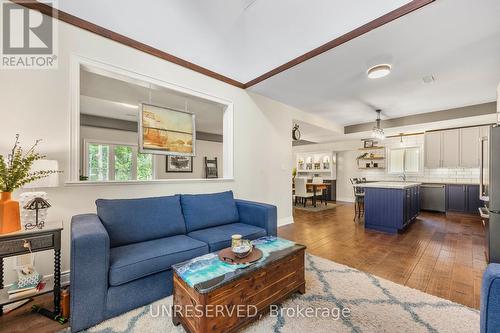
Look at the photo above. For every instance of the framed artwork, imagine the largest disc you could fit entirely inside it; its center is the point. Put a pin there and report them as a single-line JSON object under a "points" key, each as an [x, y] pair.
{"points": [[179, 164], [211, 170], [166, 131], [368, 143]]}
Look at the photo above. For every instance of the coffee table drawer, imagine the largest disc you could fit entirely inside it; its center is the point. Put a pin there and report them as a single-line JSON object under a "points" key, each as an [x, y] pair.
{"points": [[23, 245]]}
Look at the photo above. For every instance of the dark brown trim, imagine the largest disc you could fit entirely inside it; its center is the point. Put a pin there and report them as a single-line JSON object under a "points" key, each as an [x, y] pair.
{"points": [[86, 25], [389, 17], [94, 28]]}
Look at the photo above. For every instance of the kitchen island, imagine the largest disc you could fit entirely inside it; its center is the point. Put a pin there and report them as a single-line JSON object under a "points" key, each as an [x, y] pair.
{"points": [[391, 206]]}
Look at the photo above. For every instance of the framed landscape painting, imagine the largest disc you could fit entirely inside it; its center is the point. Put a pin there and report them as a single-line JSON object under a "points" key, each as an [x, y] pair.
{"points": [[165, 131], [179, 164]]}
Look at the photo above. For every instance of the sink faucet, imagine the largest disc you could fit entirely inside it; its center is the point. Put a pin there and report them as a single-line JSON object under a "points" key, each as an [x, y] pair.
{"points": [[403, 177]]}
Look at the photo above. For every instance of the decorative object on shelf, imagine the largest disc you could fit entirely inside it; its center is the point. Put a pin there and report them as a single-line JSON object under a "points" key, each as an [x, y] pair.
{"points": [[377, 131], [294, 172], [29, 216], [368, 143], [179, 164], [36, 204], [166, 131], [211, 170], [15, 172], [296, 132], [362, 156]]}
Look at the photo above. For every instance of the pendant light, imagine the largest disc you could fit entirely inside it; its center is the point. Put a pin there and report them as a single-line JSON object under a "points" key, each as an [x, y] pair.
{"points": [[377, 131]]}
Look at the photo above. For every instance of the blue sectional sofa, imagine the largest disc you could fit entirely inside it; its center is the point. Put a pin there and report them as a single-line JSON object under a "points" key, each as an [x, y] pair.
{"points": [[490, 300], [121, 257]]}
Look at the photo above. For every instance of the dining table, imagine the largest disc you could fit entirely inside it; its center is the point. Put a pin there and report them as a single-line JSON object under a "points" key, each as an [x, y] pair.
{"points": [[314, 187]]}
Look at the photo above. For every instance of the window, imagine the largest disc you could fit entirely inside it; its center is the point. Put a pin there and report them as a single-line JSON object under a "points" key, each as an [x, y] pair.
{"points": [[107, 161], [404, 160]]}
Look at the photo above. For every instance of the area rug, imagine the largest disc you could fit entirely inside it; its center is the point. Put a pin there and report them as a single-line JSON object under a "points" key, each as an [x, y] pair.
{"points": [[319, 207], [374, 305]]}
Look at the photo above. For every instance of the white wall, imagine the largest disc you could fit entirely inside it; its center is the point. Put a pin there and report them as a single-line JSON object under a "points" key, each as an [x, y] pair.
{"points": [[36, 104]]}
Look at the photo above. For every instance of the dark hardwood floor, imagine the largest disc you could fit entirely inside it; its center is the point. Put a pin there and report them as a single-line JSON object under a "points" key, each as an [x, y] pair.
{"points": [[440, 254]]}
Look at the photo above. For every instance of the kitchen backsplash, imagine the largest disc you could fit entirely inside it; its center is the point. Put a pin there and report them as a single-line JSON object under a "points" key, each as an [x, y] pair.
{"points": [[458, 175]]}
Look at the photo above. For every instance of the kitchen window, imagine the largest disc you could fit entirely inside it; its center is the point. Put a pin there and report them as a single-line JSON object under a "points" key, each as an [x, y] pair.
{"points": [[405, 160], [110, 161]]}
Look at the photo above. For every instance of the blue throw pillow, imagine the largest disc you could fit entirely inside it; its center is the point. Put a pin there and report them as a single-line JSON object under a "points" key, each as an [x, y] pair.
{"points": [[136, 220], [208, 210]]}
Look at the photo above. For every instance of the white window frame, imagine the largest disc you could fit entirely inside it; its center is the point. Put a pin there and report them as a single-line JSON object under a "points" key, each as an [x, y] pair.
{"points": [[420, 160], [111, 162], [79, 62]]}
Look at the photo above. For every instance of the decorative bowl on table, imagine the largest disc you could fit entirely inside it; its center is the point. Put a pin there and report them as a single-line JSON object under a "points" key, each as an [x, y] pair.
{"points": [[242, 248]]}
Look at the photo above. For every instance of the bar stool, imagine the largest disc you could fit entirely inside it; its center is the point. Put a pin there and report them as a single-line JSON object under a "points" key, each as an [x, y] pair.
{"points": [[359, 198]]}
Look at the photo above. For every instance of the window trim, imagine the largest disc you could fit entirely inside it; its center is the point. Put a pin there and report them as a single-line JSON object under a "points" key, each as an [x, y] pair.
{"points": [[111, 162], [420, 160]]}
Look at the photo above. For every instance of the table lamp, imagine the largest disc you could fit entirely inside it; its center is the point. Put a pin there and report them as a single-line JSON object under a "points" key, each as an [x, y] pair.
{"points": [[34, 205]]}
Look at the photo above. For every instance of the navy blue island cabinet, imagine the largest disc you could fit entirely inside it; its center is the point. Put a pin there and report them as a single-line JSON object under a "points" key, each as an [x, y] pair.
{"points": [[390, 207]]}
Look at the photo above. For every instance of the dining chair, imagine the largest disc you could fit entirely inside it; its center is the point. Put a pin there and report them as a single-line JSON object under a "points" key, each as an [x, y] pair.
{"points": [[359, 198], [301, 190], [321, 193]]}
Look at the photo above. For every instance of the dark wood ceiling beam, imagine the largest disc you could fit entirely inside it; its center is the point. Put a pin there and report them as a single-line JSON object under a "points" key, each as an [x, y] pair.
{"points": [[389, 17], [94, 28]]}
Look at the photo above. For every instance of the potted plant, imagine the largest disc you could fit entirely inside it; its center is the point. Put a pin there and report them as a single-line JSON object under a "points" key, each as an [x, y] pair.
{"points": [[15, 172]]}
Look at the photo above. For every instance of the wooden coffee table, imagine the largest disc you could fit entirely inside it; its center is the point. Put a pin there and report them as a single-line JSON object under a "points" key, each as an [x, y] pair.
{"points": [[213, 296]]}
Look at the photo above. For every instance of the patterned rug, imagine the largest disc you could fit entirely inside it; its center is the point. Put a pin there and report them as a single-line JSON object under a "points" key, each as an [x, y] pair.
{"points": [[319, 207], [356, 302]]}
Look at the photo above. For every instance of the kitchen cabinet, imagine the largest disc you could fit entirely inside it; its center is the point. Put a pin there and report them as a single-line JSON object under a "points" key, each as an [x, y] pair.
{"points": [[433, 149], [456, 198], [463, 198], [469, 147], [473, 201], [391, 209], [450, 149], [456, 148]]}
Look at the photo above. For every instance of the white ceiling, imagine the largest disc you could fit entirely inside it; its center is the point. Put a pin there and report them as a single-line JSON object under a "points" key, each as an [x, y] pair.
{"points": [[118, 99], [241, 39], [457, 41]]}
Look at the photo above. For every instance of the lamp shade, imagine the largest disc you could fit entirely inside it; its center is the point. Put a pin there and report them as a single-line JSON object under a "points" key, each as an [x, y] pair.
{"points": [[51, 180]]}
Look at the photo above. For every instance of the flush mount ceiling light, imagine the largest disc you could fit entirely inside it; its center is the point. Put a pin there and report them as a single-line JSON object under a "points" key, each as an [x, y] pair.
{"points": [[378, 71], [377, 131]]}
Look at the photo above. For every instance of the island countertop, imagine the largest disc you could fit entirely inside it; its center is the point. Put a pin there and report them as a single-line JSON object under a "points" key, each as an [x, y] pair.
{"points": [[389, 185]]}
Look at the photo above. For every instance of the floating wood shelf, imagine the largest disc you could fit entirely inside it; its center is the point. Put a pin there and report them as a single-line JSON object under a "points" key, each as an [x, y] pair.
{"points": [[372, 148], [372, 158]]}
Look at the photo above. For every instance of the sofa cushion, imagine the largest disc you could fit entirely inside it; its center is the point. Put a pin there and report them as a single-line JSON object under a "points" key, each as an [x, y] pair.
{"points": [[134, 261], [219, 237], [208, 210], [135, 220]]}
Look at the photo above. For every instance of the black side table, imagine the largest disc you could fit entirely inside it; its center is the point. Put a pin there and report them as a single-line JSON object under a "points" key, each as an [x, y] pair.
{"points": [[17, 243]]}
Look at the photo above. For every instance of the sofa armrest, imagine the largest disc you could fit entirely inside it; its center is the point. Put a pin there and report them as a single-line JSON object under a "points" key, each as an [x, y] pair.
{"points": [[490, 299], [89, 271], [259, 214]]}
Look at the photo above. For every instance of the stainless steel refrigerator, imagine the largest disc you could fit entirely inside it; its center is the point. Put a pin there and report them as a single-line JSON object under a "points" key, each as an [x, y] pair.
{"points": [[490, 191]]}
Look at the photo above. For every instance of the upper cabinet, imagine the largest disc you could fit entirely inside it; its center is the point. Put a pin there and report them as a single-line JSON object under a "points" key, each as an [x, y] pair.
{"points": [[450, 149], [456, 148], [469, 147], [433, 149]]}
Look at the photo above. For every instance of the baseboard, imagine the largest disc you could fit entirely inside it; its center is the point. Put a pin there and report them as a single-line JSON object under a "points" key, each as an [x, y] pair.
{"points": [[345, 199], [285, 220]]}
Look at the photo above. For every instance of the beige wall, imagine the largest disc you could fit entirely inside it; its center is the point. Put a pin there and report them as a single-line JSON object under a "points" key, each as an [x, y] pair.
{"points": [[36, 104]]}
